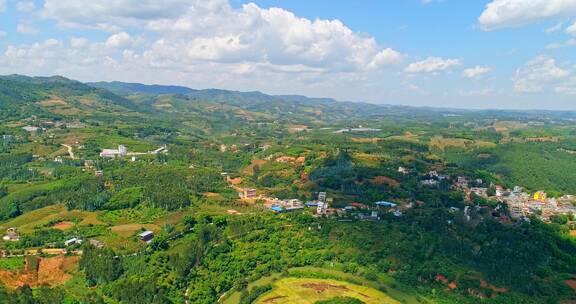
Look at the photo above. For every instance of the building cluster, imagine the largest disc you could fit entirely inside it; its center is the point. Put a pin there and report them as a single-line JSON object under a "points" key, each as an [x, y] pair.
{"points": [[520, 203]]}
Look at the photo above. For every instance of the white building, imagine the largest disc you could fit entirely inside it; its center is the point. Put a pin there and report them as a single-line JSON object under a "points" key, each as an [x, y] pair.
{"points": [[113, 153]]}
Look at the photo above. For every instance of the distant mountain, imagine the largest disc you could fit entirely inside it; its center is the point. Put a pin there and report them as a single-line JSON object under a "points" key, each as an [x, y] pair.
{"points": [[56, 96], [135, 88]]}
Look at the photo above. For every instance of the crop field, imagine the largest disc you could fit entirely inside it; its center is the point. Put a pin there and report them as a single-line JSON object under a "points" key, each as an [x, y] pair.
{"points": [[28, 221], [308, 291]]}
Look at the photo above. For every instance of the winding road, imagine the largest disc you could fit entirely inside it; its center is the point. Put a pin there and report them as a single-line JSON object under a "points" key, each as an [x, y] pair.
{"points": [[70, 151]]}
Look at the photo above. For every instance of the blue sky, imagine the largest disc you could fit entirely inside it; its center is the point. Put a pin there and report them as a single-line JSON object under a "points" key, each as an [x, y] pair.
{"points": [[469, 54]]}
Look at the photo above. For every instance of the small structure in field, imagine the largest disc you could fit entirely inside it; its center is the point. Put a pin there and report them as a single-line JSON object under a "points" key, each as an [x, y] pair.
{"points": [[72, 241], [11, 235], [146, 236], [96, 243]]}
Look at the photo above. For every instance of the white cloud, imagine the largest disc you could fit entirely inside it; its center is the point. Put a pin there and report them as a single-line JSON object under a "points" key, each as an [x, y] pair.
{"points": [[476, 72], [566, 89], [120, 40], [554, 29], [558, 45], [3, 5], [25, 6], [3, 33], [109, 14], [538, 74], [571, 29], [26, 29], [193, 31], [511, 13], [432, 65]]}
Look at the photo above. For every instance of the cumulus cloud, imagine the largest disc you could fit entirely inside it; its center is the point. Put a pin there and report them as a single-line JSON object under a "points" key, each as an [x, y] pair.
{"points": [[120, 40], [26, 29], [476, 72], [25, 6], [432, 65], [571, 29], [553, 29], [538, 74], [511, 13], [212, 30], [109, 14]]}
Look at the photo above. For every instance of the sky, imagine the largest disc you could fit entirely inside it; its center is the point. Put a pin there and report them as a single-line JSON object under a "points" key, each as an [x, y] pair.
{"points": [[508, 54]]}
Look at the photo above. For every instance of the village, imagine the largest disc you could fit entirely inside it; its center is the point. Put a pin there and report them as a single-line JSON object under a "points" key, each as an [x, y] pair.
{"points": [[520, 203]]}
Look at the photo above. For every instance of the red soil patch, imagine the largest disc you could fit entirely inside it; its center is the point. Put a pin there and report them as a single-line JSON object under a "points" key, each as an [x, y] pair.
{"points": [[254, 163], [285, 159], [451, 285], [235, 181], [571, 283], [384, 180], [63, 225], [51, 272], [484, 284], [322, 287]]}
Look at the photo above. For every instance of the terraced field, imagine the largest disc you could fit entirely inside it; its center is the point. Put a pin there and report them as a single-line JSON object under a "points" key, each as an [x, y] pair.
{"points": [[308, 291]]}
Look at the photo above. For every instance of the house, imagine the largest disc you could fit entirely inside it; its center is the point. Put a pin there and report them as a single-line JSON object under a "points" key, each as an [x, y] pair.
{"points": [[386, 204], [311, 204], [372, 217], [454, 209], [429, 182], [96, 243], [250, 193], [146, 236], [294, 208], [277, 209], [98, 173], [540, 196], [482, 192], [500, 191], [359, 205], [72, 241], [30, 129], [322, 196], [403, 170], [113, 153], [11, 235], [88, 164], [322, 208]]}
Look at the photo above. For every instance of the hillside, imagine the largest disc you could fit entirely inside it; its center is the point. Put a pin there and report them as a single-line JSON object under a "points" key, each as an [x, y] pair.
{"points": [[221, 180]]}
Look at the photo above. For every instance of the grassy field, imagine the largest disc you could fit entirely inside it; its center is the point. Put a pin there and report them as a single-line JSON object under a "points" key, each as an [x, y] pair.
{"points": [[308, 291], [394, 292], [26, 222]]}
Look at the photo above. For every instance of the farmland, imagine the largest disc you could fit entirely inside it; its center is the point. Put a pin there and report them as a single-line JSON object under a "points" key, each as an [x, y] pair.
{"points": [[309, 291]]}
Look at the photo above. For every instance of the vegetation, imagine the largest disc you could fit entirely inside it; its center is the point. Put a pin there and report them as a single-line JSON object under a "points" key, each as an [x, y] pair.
{"points": [[209, 246]]}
